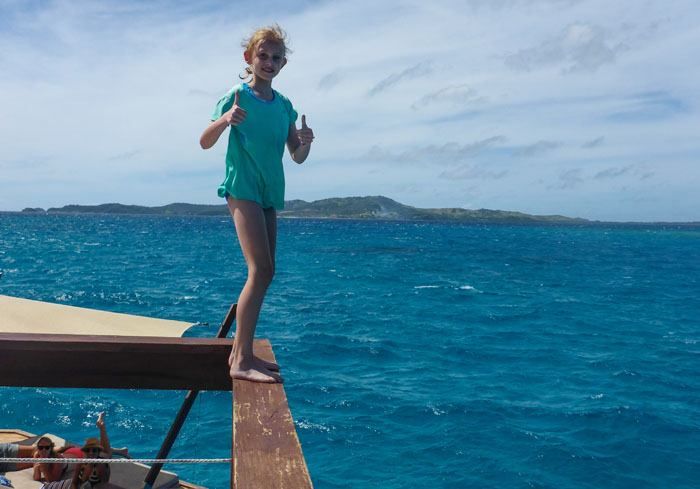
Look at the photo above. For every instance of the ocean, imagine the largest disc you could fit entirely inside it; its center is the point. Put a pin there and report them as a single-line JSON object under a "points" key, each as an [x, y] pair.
{"points": [[415, 354]]}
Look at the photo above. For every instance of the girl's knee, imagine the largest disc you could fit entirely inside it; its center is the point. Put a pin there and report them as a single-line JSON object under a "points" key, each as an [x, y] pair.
{"points": [[262, 274]]}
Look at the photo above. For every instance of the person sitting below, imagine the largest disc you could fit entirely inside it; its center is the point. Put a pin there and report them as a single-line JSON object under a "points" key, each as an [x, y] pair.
{"points": [[93, 473], [89, 475], [44, 471]]}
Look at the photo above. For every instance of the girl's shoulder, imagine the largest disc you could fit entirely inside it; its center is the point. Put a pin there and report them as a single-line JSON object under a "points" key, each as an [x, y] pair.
{"points": [[287, 105], [231, 92], [282, 98], [239, 87]]}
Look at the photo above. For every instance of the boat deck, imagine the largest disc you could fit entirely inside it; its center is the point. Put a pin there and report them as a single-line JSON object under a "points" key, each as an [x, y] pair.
{"points": [[265, 445], [22, 479]]}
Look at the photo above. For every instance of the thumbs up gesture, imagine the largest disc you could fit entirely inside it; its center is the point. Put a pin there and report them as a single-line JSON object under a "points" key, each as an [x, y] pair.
{"points": [[236, 114], [306, 135]]}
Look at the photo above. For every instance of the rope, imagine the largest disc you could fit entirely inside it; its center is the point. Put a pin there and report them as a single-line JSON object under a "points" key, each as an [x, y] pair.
{"points": [[18, 460]]}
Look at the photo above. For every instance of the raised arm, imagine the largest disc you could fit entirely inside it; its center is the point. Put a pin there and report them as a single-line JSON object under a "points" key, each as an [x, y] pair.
{"points": [[104, 439], [234, 116], [37, 469], [212, 133], [76, 476], [299, 141]]}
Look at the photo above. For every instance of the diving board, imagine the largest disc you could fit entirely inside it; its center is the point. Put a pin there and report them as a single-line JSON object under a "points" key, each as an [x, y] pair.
{"points": [[266, 449]]}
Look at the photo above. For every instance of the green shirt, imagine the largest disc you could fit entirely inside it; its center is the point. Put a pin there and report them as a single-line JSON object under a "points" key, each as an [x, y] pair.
{"points": [[255, 147]]}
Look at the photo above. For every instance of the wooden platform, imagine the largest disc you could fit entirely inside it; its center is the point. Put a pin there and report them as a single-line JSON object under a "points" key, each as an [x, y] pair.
{"points": [[266, 448], [117, 362]]}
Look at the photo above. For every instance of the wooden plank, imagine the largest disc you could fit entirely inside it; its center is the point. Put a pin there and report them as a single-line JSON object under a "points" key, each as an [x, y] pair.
{"points": [[266, 448], [117, 362]]}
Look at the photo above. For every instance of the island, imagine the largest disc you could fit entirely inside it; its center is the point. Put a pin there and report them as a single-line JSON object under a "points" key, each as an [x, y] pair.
{"points": [[371, 207]]}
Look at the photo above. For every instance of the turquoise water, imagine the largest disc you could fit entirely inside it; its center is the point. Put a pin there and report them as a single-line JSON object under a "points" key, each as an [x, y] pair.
{"points": [[415, 354]]}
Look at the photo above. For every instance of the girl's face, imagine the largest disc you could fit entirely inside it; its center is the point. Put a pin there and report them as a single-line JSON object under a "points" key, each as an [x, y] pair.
{"points": [[44, 447], [266, 60]]}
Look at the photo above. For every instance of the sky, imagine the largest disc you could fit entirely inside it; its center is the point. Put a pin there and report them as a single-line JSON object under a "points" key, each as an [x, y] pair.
{"points": [[584, 108]]}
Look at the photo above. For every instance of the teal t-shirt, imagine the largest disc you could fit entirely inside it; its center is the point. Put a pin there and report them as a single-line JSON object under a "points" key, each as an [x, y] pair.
{"points": [[255, 147]]}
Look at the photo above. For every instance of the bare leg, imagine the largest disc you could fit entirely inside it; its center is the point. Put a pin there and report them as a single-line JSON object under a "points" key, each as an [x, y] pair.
{"points": [[271, 226], [252, 230]]}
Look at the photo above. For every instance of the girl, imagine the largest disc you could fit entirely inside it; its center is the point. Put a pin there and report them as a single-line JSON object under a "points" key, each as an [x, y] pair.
{"points": [[45, 448], [262, 120]]}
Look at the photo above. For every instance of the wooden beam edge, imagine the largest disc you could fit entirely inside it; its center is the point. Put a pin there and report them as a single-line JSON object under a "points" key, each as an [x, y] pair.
{"points": [[295, 472]]}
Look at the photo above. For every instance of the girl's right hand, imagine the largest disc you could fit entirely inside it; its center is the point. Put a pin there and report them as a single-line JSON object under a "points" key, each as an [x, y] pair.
{"points": [[237, 114]]}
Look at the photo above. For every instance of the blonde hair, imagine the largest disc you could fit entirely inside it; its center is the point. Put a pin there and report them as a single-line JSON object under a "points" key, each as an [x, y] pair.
{"points": [[272, 33]]}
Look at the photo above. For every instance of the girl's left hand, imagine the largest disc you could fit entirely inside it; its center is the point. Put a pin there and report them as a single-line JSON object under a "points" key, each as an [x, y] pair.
{"points": [[306, 135]]}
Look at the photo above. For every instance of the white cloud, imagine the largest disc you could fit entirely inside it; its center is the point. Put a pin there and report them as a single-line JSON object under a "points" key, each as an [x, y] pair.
{"points": [[537, 149], [416, 71], [449, 152], [569, 179], [472, 172], [330, 80], [579, 47], [593, 143], [421, 96], [450, 96]]}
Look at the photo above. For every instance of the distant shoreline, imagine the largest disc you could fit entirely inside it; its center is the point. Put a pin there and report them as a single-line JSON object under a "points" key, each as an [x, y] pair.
{"points": [[585, 223], [355, 208]]}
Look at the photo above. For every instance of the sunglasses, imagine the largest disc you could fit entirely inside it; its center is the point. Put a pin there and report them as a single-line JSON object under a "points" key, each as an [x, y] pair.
{"points": [[44, 447], [92, 450]]}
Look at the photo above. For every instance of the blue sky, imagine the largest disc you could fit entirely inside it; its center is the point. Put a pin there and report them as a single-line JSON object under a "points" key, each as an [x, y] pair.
{"points": [[578, 107]]}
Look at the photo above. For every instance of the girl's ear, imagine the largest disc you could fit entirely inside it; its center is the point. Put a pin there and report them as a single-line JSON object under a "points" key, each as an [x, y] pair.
{"points": [[246, 56]]}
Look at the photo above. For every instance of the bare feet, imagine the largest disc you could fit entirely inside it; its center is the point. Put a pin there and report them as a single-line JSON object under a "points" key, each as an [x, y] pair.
{"points": [[254, 373], [272, 366]]}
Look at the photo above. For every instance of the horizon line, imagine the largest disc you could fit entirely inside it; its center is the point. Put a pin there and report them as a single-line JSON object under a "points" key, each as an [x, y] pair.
{"points": [[28, 210]]}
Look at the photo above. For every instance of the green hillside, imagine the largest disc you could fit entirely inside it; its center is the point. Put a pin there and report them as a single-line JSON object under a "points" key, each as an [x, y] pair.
{"points": [[375, 207]]}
